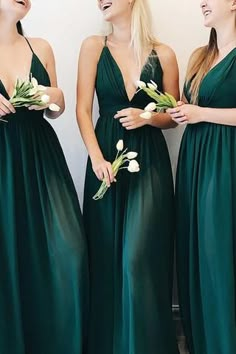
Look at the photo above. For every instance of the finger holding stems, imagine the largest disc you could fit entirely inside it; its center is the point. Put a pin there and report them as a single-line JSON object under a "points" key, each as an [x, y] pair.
{"points": [[103, 171], [46, 96], [130, 118], [5, 107], [186, 113]]}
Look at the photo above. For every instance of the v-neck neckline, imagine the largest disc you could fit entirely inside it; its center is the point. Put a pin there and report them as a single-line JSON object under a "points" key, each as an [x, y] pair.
{"points": [[8, 96], [122, 76], [220, 62]]}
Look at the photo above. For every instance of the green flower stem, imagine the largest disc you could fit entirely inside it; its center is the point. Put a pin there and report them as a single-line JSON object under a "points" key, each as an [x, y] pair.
{"points": [[163, 100], [116, 166]]}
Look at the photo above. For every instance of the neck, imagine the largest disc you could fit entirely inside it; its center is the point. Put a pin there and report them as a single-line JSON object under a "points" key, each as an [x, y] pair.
{"points": [[121, 32], [8, 32], [226, 37]]}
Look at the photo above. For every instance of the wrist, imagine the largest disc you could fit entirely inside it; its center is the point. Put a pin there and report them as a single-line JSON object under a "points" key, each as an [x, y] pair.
{"points": [[204, 114], [95, 158], [150, 120]]}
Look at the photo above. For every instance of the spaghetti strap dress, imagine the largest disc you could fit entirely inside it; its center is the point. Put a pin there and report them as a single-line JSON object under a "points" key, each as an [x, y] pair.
{"points": [[43, 251]]}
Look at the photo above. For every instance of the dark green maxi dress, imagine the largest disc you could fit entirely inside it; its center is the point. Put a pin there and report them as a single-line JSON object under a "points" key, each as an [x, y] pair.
{"points": [[130, 230], [206, 220], [43, 254]]}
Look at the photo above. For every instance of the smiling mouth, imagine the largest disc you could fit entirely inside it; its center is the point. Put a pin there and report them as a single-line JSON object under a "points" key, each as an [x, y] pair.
{"points": [[106, 6], [206, 13], [21, 3]]}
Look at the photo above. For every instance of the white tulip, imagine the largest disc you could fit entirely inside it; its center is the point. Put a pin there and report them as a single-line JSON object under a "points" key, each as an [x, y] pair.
{"points": [[120, 145], [133, 166], [54, 107], [141, 84], [146, 115], [154, 84], [34, 82], [45, 98], [33, 91], [152, 87], [150, 107], [41, 88], [131, 155]]}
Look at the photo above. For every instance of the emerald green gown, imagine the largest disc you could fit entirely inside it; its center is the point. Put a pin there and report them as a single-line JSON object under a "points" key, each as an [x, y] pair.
{"points": [[206, 220], [43, 254], [130, 230]]}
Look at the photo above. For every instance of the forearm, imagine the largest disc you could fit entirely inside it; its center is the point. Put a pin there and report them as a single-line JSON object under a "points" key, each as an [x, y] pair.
{"points": [[57, 98], [225, 116], [162, 121], [88, 135]]}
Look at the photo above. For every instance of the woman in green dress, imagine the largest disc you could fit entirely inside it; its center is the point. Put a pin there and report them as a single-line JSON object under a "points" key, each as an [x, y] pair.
{"points": [[130, 230], [43, 254], [206, 189]]}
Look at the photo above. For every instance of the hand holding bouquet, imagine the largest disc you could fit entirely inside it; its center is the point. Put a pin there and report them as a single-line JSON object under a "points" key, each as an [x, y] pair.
{"points": [[162, 102], [29, 93], [122, 157]]}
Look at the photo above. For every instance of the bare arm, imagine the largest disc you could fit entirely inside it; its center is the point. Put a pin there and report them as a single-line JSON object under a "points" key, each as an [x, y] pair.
{"points": [[170, 84], [45, 54], [87, 70]]}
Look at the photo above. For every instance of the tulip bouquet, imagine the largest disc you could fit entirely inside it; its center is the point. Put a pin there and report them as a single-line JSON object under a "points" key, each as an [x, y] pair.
{"points": [[28, 92], [122, 157], [163, 100]]}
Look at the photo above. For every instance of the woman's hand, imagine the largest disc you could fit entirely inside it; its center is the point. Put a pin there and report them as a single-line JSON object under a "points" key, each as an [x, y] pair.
{"points": [[186, 113], [103, 170], [5, 107], [130, 118], [55, 96]]}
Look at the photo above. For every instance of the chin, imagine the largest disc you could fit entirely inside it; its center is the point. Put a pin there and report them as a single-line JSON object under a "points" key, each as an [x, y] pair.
{"points": [[108, 17], [207, 23]]}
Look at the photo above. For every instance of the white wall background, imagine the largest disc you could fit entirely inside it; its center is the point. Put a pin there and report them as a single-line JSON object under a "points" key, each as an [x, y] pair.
{"points": [[66, 23]]}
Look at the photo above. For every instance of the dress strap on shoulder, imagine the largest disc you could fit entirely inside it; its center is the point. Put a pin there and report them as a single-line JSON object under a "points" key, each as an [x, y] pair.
{"points": [[29, 45], [105, 41]]}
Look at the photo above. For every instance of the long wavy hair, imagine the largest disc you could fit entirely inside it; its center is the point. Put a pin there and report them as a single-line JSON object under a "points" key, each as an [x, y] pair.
{"points": [[142, 36], [19, 28], [200, 63]]}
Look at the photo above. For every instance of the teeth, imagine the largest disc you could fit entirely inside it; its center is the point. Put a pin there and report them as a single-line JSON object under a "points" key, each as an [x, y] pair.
{"points": [[207, 13]]}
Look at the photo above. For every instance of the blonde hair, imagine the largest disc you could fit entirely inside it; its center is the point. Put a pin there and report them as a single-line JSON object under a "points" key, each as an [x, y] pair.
{"points": [[199, 65], [141, 29]]}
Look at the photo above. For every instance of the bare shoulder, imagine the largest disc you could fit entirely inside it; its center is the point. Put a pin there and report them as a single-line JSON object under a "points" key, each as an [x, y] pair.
{"points": [[165, 54], [92, 46], [42, 49], [40, 45]]}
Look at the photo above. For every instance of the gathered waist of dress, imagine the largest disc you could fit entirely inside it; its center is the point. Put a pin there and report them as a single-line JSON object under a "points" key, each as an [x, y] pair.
{"points": [[24, 115], [110, 111]]}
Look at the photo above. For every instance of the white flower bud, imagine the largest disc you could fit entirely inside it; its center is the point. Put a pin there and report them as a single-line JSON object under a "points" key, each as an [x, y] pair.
{"points": [[141, 84], [131, 155], [152, 87], [34, 82], [54, 107], [146, 115], [133, 166], [150, 107], [45, 98], [154, 84], [33, 91], [120, 145], [41, 88]]}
